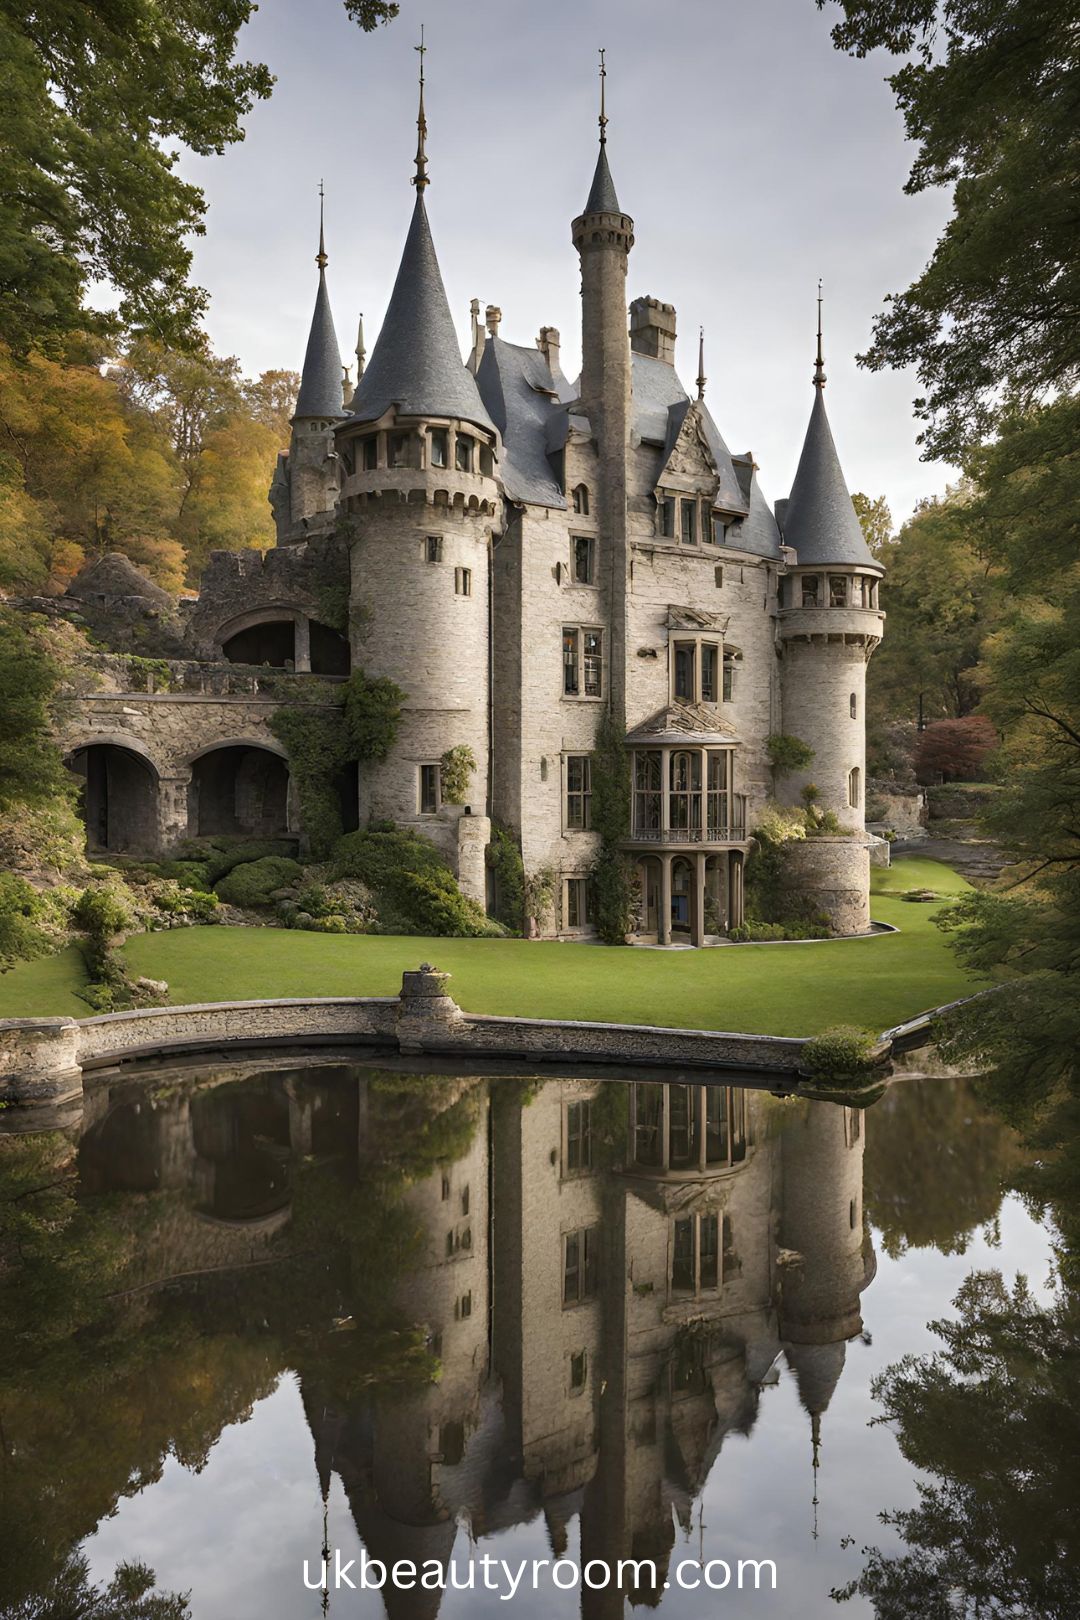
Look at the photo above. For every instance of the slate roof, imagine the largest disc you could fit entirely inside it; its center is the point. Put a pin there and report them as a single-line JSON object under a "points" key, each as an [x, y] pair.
{"points": [[819, 520], [602, 198], [660, 406], [757, 531], [321, 379], [416, 363], [522, 395]]}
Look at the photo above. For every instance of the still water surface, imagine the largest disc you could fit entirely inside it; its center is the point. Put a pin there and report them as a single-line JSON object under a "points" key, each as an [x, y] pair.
{"points": [[433, 1318]]}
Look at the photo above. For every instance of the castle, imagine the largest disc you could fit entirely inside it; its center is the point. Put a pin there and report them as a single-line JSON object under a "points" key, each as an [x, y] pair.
{"points": [[523, 556]]}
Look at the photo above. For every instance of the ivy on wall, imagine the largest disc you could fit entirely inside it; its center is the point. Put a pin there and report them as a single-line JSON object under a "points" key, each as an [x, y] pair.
{"points": [[612, 873]]}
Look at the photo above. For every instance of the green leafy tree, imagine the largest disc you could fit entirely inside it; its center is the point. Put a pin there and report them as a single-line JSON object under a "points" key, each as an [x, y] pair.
{"points": [[130, 1595], [94, 102], [989, 91], [876, 521], [993, 1420]]}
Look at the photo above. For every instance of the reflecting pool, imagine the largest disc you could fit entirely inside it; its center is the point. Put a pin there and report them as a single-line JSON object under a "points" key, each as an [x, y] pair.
{"points": [[255, 1317]]}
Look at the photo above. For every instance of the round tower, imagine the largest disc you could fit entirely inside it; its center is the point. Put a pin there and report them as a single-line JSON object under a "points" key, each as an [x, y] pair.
{"points": [[419, 503], [829, 623], [603, 235]]}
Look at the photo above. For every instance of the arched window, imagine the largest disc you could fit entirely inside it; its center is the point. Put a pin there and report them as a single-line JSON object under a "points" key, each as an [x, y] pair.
{"points": [[854, 786], [581, 500], [853, 706]]}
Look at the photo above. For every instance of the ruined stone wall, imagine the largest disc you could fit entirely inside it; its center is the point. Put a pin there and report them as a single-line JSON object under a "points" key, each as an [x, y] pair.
{"points": [[297, 578]]}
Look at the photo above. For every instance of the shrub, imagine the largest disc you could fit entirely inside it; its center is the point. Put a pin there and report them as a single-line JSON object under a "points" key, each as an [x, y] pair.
{"points": [[319, 751], [254, 882], [217, 856], [415, 891], [455, 768], [101, 913], [788, 753], [21, 909], [840, 1056]]}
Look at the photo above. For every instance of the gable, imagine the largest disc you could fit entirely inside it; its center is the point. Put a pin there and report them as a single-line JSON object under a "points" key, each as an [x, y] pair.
{"points": [[689, 463]]}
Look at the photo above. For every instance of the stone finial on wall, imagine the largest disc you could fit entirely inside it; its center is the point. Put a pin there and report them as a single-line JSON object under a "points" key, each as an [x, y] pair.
{"points": [[427, 1016]]}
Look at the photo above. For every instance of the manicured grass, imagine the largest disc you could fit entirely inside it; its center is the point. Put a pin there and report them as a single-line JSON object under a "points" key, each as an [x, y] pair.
{"points": [[45, 988], [762, 989]]}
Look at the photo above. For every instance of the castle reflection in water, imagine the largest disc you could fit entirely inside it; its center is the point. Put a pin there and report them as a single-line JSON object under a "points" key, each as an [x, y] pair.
{"points": [[607, 1271]]}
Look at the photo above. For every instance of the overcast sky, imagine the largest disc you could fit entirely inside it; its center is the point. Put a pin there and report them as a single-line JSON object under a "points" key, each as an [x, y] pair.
{"points": [[752, 155]]}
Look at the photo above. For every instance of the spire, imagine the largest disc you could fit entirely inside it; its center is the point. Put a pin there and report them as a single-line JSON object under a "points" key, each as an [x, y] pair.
{"points": [[820, 521], [361, 352], [602, 198], [819, 363], [321, 378], [701, 378], [321, 258], [420, 178]]}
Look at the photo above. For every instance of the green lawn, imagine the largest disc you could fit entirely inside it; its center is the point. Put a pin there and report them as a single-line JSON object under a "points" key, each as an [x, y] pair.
{"points": [[764, 989]]}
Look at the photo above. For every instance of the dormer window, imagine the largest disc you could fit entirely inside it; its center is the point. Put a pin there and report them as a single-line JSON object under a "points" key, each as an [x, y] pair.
{"points": [[463, 453], [688, 531], [581, 500], [719, 532], [667, 516], [440, 447]]}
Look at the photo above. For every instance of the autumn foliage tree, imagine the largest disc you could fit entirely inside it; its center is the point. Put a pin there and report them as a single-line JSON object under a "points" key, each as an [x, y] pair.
{"points": [[955, 750]]}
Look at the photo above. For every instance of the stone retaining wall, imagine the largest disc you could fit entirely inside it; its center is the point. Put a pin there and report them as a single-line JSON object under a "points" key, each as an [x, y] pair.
{"points": [[42, 1059]]}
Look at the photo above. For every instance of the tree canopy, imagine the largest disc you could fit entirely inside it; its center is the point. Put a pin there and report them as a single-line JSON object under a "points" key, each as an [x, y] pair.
{"points": [[990, 95]]}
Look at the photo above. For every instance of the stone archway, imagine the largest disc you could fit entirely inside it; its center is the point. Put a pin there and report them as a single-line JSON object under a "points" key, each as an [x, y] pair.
{"points": [[239, 790], [120, 791]]}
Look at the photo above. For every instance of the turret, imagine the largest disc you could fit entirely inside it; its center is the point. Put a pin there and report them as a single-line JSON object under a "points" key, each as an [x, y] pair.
{"points": [[603, 235], [829, 624], [304, 490], [419, 502]]}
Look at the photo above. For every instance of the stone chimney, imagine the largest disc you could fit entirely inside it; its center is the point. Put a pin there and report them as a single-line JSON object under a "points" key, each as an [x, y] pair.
{"points": [[548, 344], [492, 316], [652, 329]]}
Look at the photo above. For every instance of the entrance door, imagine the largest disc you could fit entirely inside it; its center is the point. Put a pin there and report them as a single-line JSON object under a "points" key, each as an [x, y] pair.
{"points": [[681, 897]]}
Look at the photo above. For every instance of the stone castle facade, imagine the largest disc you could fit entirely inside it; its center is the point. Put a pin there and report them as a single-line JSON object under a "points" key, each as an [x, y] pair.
{"points": [[523, 555]]}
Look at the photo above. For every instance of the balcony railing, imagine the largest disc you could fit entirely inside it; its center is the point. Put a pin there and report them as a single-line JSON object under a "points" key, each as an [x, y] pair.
{"points": [[725, 821]]}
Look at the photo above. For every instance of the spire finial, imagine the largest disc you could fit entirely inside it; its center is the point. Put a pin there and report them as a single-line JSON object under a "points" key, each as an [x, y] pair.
{"points": [[320, 257], [420, 178], [701, 378], [361, 352], [819, 363], [815, 1441], [603, 109]]}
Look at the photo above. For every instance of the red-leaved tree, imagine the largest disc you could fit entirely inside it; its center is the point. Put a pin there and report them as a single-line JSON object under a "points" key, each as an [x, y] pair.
{"points": [[954, 750]]}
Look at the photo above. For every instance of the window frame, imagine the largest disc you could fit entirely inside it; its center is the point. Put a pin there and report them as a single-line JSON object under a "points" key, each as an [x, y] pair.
{"points": [[582, 793], [439, 437], [582, 1135], [854, 788], [687, 1249], [585, 1241], [579, 496], [462, 581], [422, 766], [584, 904], [433, 548], [464, 448], [579, 692], [680, 645], [589, 543], [688, 521]]}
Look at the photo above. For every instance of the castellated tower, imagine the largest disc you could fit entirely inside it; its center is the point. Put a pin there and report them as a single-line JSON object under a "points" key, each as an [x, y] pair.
{"points": [[419, 501], [304, 491], [603, 236], [829, 623]]}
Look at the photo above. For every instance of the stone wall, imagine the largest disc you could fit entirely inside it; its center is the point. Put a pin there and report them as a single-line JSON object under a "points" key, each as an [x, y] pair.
{"points": [[831, 875]]}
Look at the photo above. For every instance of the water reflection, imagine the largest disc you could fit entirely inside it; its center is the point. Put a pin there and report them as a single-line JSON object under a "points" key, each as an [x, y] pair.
{"points": [[501, 1299]]}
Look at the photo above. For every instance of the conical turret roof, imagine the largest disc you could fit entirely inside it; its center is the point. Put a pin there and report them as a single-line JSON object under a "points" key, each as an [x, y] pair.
{"points": [[820, 521], [416, 363], [602, 198], [321, 379]]}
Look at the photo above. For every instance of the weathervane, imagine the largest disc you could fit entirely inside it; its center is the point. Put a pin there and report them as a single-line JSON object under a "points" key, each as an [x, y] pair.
{"points": [[420, 179], [603, 112], [819, 363]]}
